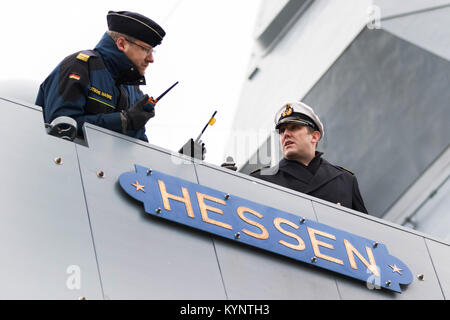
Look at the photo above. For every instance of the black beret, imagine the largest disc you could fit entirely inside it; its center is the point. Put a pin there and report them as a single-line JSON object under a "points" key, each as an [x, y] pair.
{"points": [[135, 25]]}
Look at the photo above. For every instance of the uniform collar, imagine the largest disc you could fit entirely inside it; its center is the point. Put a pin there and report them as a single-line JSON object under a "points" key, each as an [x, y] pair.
{"points": [[121, 68], [296, 169], [324, 172], [312, 167]]}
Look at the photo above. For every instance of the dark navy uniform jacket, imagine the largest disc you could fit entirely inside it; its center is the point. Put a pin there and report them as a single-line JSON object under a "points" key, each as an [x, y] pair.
{"points": [[93, 86], [320, 179]]}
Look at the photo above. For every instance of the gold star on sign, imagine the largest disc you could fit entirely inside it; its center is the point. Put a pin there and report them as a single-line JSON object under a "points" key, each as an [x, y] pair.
{"points": [[395, 269], [138, 186]]}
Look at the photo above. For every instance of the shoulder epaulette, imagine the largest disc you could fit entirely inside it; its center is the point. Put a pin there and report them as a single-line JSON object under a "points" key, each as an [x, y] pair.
{"points": [[258, 170], [349, 171], [85, 55]]}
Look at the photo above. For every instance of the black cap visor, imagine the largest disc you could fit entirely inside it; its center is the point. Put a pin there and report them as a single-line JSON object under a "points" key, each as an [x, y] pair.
{"points": [[296, 121]]}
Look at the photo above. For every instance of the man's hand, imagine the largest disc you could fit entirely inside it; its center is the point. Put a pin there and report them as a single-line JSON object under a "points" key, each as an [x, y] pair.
{"points": [[136, 116]]}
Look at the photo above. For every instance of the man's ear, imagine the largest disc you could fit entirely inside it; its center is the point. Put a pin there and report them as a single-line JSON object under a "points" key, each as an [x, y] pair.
{"points": [[316, 136], [121, 43]]}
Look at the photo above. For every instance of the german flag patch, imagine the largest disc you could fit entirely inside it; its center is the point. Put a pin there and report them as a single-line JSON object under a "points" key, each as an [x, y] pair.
{"points": [[74, 76]]}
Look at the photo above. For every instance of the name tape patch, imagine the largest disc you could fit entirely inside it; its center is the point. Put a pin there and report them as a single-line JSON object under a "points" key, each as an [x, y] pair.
{"points": [[101, 93]]}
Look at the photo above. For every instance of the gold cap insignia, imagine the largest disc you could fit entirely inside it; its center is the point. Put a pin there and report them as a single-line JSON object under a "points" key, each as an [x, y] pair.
{"points": [[288, 111]]}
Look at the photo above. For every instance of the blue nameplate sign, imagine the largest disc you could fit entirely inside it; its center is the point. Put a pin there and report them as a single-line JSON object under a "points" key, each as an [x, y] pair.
{"points": [[264, 227]]}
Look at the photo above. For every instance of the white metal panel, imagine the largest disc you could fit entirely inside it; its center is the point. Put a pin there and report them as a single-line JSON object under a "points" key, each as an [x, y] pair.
{"points": [[391, 8], [440, 256], [140, 256], [45, 238], [429, 30], [251, 273], [408, 247]]}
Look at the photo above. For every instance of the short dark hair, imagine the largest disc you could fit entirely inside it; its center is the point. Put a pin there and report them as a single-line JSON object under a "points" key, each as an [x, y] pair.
{"points": [[310, 129]]}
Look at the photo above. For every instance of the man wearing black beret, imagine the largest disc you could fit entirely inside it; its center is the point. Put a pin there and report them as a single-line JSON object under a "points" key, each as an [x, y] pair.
{"points": [[101, 86], [302, 168]]}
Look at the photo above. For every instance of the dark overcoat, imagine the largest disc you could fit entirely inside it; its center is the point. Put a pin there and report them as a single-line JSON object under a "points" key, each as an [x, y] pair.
{"points": [[329, 182]]}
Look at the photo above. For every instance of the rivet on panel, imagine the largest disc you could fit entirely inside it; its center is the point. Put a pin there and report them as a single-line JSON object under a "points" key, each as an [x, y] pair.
{"points": [[421, 277], [158, 210], [237, 235], [302, 220], [58, 160], [375, 244], [100, 174], [314, 259], [149, 172], [388, 283], [227, 196], [82, 298]]}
